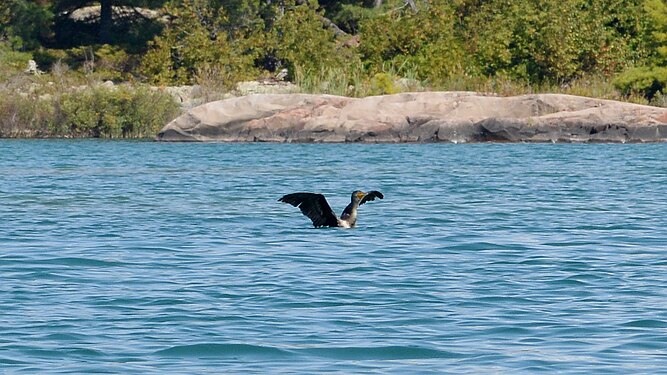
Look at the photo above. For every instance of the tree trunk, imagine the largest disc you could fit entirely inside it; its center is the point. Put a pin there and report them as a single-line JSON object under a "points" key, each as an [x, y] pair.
{"points": [[329, 23], [106, 21], [413, 6], [377, 3]]}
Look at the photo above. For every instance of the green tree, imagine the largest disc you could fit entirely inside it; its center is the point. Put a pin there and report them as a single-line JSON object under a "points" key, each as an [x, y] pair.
{"points": [[424, 41], [656, 11], [202, 37], [553, 41], [194, 41], [348, 14], [298, 39], [651, 78], [107, 30], [25, 24]]}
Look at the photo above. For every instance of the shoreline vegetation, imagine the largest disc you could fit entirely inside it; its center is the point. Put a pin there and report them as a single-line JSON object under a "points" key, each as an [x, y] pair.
{"points": [[71, 69]]}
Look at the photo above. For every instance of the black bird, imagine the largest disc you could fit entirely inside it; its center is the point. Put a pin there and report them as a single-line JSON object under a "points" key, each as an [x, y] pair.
{"points": [[316, 207]]}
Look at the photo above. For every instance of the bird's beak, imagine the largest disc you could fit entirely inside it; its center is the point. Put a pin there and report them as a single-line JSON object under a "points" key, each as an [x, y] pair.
{"points": [[361, 194]]}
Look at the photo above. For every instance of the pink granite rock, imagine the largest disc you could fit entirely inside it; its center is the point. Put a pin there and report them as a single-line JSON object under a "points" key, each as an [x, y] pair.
{"points": [[418, 117]]}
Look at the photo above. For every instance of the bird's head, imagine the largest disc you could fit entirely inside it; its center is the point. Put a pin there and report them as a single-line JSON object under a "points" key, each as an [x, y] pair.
{"points": [[358, 195]]}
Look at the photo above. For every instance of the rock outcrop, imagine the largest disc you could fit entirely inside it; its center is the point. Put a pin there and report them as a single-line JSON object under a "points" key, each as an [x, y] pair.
{"points": [[418, 117]]}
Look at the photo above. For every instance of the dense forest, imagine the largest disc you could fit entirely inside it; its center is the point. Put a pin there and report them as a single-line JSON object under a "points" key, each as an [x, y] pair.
{"points": [[605, 48]]}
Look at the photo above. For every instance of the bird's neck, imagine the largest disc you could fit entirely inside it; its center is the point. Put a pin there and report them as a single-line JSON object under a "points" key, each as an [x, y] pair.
{"points": [[350, 214]]}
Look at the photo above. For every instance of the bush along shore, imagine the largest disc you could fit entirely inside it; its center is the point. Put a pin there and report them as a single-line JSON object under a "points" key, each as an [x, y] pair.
{"points": [[95, 111], [124, 68]]}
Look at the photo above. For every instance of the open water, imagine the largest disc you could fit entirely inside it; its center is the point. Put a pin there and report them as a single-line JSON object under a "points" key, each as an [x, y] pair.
{"points": [[138, 257]]}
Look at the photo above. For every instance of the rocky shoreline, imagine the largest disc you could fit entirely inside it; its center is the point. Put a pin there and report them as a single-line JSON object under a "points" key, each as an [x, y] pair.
{"points": [[418, 117]]}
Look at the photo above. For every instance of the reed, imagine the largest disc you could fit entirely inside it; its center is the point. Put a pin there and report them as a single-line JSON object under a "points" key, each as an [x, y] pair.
{"points": [[330, 80]]}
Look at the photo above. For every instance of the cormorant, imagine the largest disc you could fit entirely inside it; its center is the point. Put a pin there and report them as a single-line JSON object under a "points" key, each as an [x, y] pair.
{"points": [[316, 207]]}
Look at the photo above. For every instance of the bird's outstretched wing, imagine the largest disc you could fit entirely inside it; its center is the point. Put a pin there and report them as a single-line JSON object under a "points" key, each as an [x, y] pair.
{"points": [[371, 196], [315, 206]]}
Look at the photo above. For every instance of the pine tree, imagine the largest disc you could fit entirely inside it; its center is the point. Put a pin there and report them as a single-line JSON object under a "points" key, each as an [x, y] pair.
{"points": [[105, 24], [657, 12]]}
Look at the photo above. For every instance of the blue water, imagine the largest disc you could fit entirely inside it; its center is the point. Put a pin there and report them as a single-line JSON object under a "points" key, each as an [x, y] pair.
{"points": [[138, 257]]}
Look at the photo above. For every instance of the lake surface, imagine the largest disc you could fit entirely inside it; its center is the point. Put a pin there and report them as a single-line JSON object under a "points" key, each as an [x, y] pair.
{"points": [[139, 257]]}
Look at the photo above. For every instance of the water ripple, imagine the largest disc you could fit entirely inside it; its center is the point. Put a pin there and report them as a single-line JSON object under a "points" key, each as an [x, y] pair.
{"points": [[129, 257], [223, 350]]}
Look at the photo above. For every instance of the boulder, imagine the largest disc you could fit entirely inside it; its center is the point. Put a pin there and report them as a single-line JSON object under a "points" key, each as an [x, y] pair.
{"points": [[418, 117], [90, 14], [32, 68]]}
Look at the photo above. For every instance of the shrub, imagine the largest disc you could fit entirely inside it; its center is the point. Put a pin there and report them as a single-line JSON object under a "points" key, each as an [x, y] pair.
{"points": [[202, 40], [11, 62], [383, 84], [424, 41], [45, 58], [102, 62], [24, 116], [656, 12], [645, 81], [25, 23], [552, 41], [298, 39], [115, 112], [193, 41]]}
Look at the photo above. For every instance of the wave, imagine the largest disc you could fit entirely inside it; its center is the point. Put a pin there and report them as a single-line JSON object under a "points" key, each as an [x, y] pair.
{"points": [[646, 323], [223, 350], [381, 353], [340, 353]]}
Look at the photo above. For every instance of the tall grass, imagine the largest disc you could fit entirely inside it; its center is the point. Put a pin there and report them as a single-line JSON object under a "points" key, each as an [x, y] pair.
{"points": [[332, 81], [353, 81], [394, 79]]}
